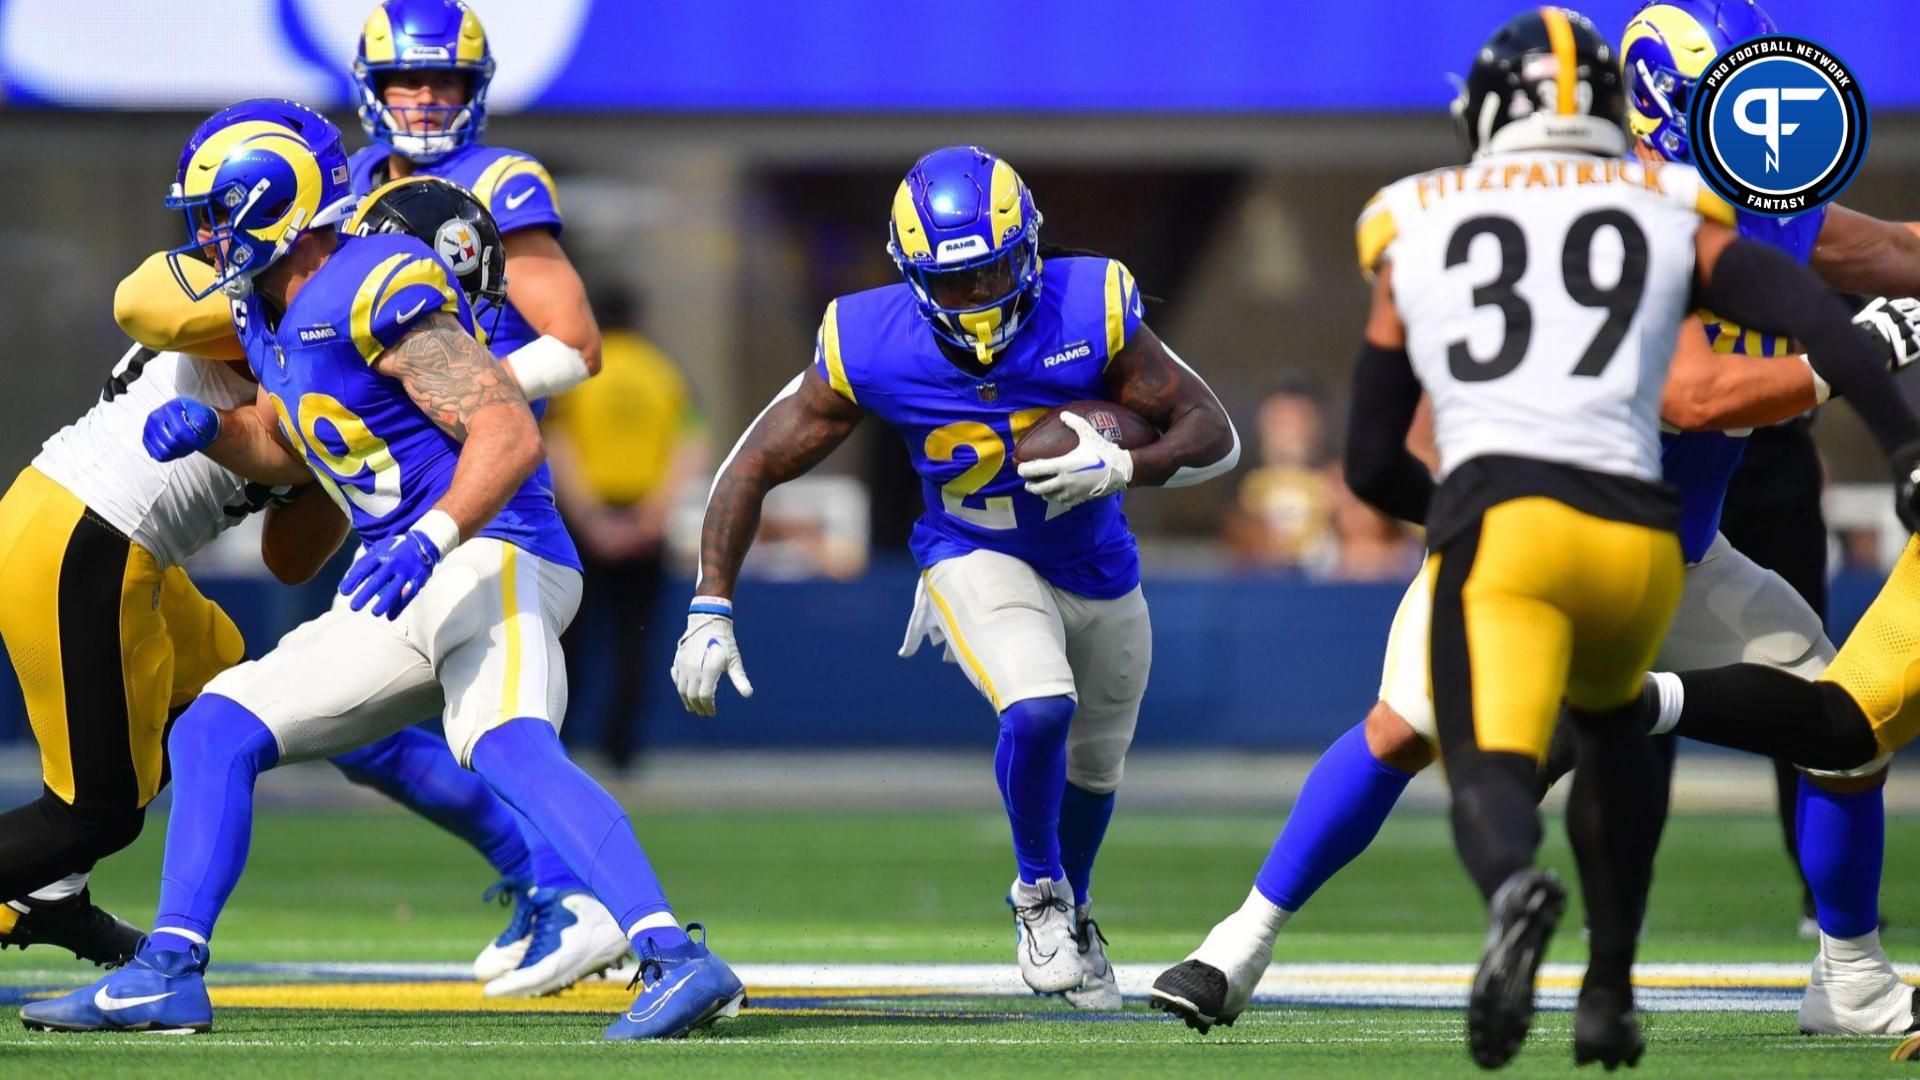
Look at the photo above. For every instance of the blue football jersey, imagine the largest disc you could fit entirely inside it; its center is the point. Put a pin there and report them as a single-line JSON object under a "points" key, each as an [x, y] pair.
{"points": [[1700, 464], [514, 187], [380, 458], [875, 349]]}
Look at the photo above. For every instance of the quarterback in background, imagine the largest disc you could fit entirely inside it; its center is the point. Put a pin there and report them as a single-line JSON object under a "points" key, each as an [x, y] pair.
{"points": [[1029, 573]]}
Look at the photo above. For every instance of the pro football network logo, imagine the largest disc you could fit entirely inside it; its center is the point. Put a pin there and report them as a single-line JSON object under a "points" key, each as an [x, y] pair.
{"points": [[1779, 125]]}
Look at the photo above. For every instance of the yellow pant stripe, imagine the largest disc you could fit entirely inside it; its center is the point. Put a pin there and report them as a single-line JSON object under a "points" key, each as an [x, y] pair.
{"points": [[960, 644], [510, 619]]}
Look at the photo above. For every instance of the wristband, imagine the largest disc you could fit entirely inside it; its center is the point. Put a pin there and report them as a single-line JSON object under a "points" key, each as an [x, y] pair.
{"points": [[1822, 390], [547, 366], [711, 605], [440, 530]]}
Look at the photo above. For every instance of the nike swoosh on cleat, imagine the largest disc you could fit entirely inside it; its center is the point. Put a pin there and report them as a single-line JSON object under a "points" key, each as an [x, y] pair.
{"points": [[106, 1002], [411, 312], [513, 201], [654, 1009]]}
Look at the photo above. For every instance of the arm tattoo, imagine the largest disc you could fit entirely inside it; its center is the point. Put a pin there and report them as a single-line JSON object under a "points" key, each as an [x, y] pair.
{"points": [[1194, 430], [796, 433], [448, 374]]}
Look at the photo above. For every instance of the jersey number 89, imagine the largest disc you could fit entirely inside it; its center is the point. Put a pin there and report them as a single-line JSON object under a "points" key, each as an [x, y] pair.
{"points": [[1620, 301], [350, 461]]}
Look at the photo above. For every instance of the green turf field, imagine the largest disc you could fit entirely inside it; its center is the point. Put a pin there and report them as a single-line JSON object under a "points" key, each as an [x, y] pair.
{"points": [[905, 887]]}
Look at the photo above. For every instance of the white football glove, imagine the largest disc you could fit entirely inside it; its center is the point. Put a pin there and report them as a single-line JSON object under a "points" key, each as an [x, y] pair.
{"points": [[706, 650], [1896, 320], [1092, 469]]}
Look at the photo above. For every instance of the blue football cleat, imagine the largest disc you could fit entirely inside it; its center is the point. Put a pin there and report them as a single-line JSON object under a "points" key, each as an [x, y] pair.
{"points": [[162, 992], [682, 988]]}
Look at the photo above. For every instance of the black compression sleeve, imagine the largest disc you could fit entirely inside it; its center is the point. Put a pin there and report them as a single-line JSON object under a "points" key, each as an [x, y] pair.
{"points": [[1379, 468], [1760, 287]]}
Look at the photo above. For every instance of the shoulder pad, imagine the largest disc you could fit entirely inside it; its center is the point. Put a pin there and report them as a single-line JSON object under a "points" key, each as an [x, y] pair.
{"points": [[1379, 224], [1123, 310], [827, 359], [517, 190], [405, 284]]}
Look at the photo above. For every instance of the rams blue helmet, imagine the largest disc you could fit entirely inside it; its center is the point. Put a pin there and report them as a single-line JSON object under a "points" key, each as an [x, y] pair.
{"points": [[966, 236], [252, 180], [423, 35], [1667, 46]]}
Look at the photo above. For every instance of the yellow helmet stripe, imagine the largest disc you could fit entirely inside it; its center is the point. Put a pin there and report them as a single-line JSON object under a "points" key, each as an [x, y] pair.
{"points": [[473, 39], [1560, 35], [1005, 201], [306, 174], [908, 226], [830, 352], [378, 34], [206, 160]]}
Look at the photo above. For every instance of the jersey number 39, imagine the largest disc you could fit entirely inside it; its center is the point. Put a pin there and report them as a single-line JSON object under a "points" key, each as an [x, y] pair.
{"points": [[1620, 301]]}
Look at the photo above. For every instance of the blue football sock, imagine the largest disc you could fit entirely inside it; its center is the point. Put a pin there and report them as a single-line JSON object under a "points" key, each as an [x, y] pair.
{"points": [[1842, 844], [1347, 797], [218, 749], [1031, 764], [415, 769], [1083, 825], [523, 761], [549, 870]]}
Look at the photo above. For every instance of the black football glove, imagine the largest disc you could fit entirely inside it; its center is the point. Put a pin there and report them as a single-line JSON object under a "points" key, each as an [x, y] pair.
{"points": [[1906, 485], [1896, 322]]}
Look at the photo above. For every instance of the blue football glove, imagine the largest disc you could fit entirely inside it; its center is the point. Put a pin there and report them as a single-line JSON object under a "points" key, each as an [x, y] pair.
{"points": [[180, 427], [391, 572]]}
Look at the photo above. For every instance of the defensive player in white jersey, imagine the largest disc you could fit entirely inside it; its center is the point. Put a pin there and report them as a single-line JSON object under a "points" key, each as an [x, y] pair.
{"points": [[1731, 609], [1538, 294], [108, 635]]}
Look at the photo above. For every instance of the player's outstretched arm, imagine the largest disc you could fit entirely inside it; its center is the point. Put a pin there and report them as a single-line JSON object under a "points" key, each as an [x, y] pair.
{"points": [[1860, 253], [1762, 288], [1707, 393], [1385, 396], [543, 285], [1197, 440], [795, 432], [300, 534], [457, 383], [800, 427], [150, 307]]}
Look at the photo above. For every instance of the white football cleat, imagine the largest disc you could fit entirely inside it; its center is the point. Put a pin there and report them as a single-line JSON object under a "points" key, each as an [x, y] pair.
{"points": [[1043, 940], [1098, 987], [574, 936], [1855, 991], [505, 952]]}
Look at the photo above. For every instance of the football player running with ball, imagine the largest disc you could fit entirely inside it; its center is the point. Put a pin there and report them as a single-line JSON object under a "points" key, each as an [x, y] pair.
{"points": [[371, 376], [1029, 575], [1556, 566]]}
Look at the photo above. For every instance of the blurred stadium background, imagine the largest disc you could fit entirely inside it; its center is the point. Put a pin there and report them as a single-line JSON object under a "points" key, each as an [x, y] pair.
{"points": [[725, 167]]}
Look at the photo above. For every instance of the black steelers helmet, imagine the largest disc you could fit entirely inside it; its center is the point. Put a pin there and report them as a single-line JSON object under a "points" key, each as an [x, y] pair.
{"points": [[1547, 80], [450, 220]]}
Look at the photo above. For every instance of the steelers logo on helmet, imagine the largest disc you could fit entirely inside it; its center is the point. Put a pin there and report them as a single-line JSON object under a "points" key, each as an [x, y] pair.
{"points": [[1779, 125], [458, 245]]}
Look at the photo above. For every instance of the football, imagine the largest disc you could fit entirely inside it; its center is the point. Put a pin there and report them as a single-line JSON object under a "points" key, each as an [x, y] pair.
{"points": [[1050, 436]]}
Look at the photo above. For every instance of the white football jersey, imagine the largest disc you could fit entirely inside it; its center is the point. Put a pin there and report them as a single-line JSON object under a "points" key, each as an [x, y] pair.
{"points": [[171, 508], [1542, 293]]}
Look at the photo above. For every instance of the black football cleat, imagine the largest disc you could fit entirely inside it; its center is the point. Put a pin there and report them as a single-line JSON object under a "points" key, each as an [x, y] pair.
{"points": [[1524, 913], [1605, 1030], [1194, 992], [76, 925]]}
